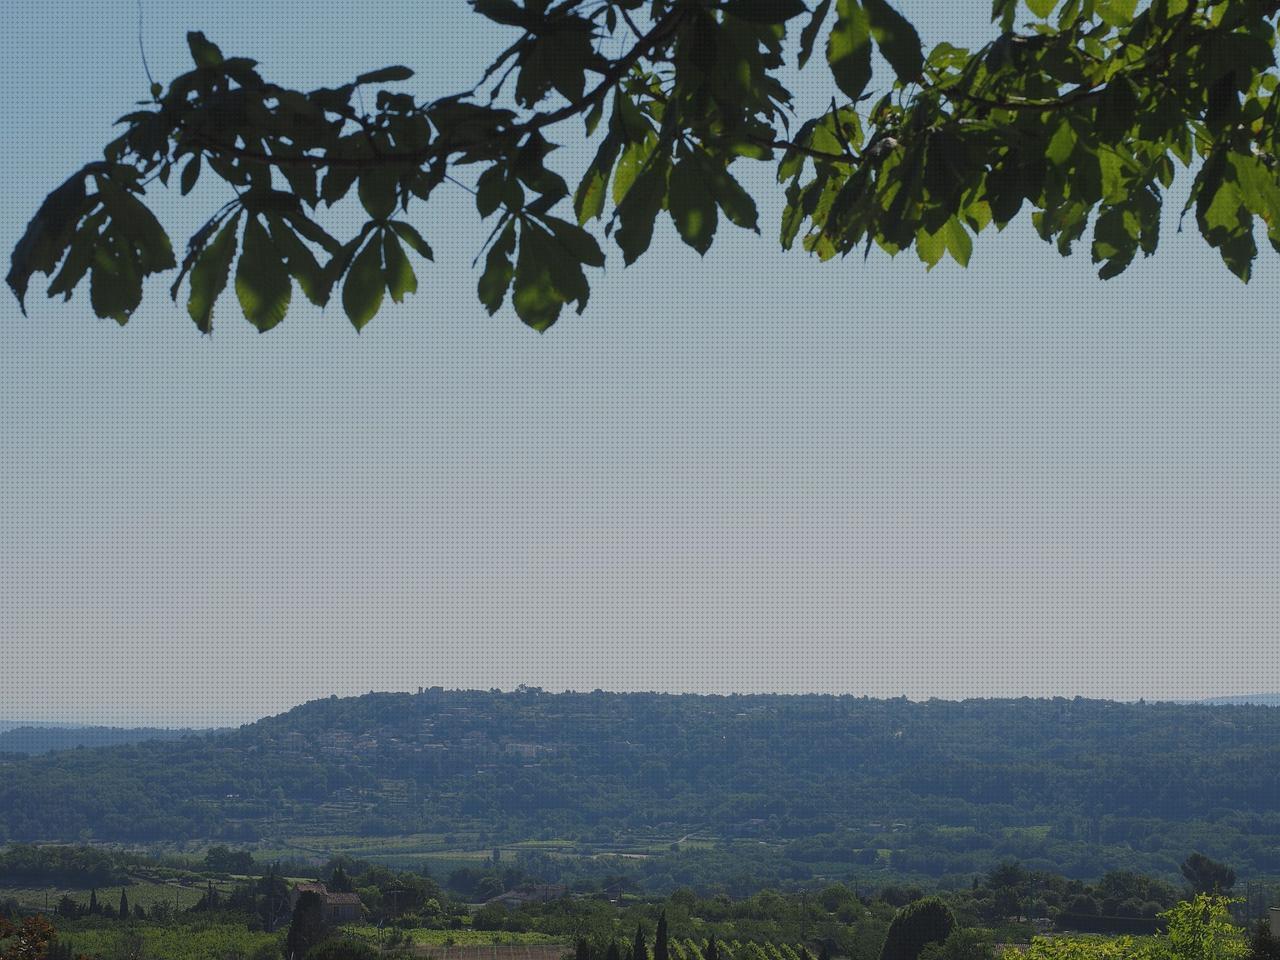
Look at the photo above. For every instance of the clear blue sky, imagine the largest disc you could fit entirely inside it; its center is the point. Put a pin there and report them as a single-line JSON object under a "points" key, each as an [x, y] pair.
{"points": [[750, 472]]}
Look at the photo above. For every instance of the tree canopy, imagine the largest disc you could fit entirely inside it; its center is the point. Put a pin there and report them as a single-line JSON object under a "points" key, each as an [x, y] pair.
{"points": [[1083, 111]]}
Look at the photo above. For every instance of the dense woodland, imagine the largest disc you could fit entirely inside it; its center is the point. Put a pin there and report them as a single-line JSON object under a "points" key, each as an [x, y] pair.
{"points": [[783, 788], [247, 916]]}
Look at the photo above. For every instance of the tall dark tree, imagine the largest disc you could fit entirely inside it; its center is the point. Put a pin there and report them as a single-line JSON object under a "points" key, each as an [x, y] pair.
{"points": [[95, 908], [340, 881], [713, 950], [925, 921], [123, 910], [582, 949], [660, 951], [639, 951], [613, 953], [1207, 876], [307, 927], [1264, 944]]}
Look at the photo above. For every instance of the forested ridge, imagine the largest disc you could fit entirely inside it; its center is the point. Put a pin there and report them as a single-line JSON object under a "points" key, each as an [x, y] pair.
{"points": [[931, 787]]}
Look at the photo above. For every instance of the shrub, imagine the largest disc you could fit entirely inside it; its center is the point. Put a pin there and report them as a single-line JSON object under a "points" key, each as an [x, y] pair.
{"points": [[925, 921]]}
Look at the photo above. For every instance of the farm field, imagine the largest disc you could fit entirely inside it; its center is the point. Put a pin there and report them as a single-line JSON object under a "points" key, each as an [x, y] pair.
{"points": [[506, 951], [148, 893], [458, 939], [187, 941]]}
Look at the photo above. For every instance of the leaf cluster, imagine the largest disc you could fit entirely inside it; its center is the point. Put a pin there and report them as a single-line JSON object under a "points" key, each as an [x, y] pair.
{"points": [[1082, 111]]}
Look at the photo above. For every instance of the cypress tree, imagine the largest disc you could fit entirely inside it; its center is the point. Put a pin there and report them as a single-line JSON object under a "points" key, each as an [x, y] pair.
{"points": [[613, 953], [712, 952], [124, 905], [307, 928], [638, 949], [660, 939], [94, 907], [581, 950]]}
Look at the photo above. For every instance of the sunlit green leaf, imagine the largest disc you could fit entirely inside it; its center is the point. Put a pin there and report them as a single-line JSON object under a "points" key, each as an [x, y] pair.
{"points": [[401, 280]]}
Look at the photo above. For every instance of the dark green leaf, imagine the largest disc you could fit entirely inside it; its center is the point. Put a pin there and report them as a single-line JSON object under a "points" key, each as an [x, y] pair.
{"points": [[377, 191], [638, 211], [489, 189], [314, 232], [47, 235], [337, 181], [764, 11], [190, 173], [1004, 11], [133, 219], [897, 39], [534, 294], [300, 261], [849, 48], [115, 284], [209, 275], [362, 291], [79, 257], [262, 282], [691, 205], [204, 53], [576, 241], [736, 203], [385, 75], [413, 238], [810, 32]]}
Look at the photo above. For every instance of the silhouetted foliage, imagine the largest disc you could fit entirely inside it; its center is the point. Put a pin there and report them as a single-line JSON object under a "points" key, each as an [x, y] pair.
{"points": [[1084, 113]]}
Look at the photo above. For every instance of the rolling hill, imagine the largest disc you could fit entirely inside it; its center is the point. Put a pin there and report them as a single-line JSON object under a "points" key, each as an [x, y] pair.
{"points": [[919, 788]]}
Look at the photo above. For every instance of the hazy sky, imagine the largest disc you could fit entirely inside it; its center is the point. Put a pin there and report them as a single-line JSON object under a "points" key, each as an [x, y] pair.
{"points": [[751, 472]]}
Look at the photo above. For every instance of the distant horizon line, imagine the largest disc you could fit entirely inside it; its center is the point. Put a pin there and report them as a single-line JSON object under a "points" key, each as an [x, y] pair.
{"points": [[205, 726]]}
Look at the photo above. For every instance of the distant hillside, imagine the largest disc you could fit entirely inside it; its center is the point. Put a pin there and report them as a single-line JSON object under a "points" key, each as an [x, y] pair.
{"points": [[32, 739], [1251, 699], [938, 787]]}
